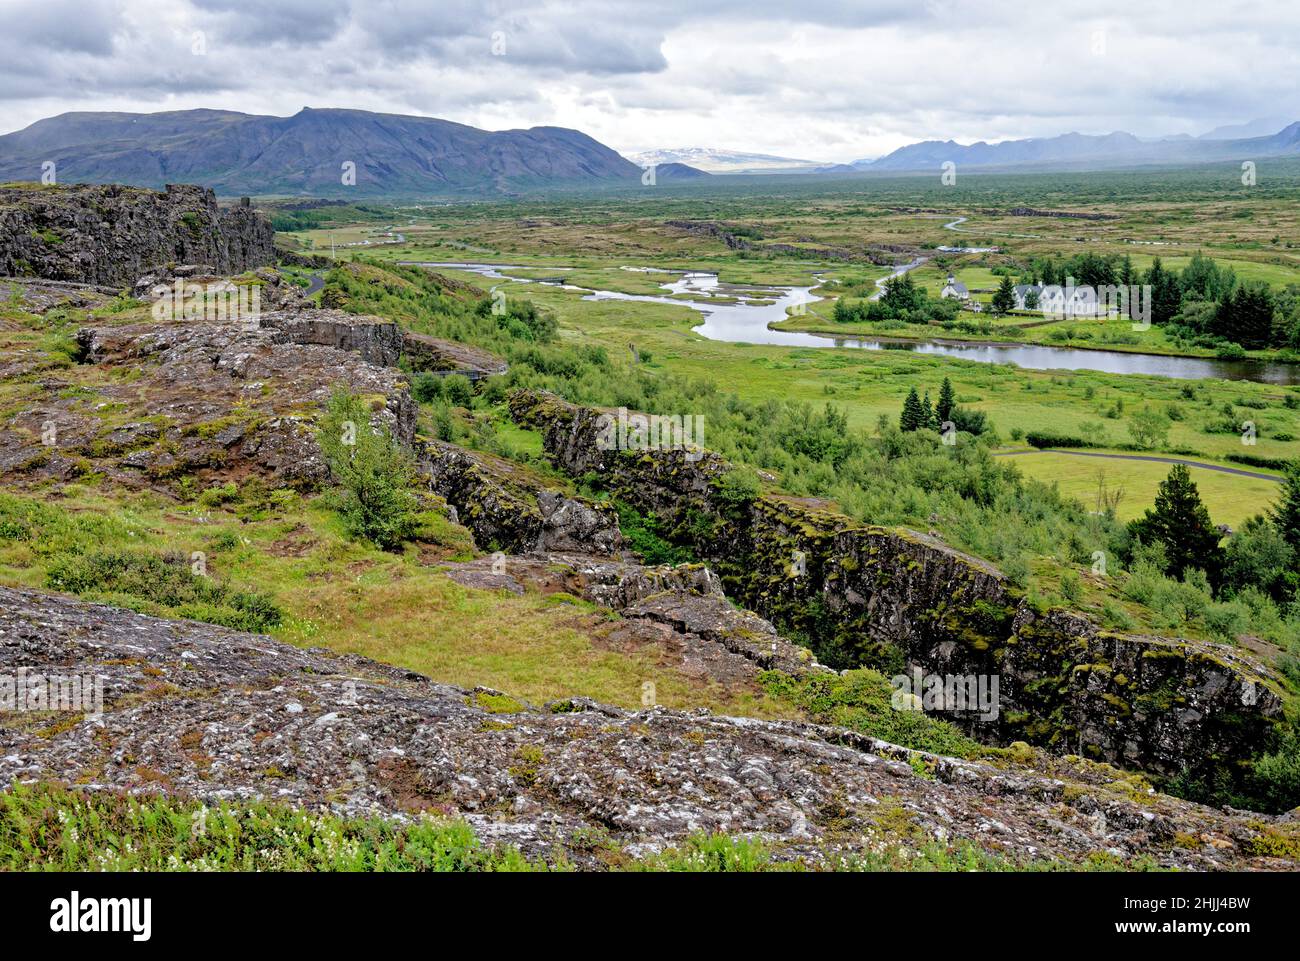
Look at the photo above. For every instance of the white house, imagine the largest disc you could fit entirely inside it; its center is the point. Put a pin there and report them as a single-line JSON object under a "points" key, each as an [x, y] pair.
{"points": [[1022, 292], [954, 289], [1070, 301]]}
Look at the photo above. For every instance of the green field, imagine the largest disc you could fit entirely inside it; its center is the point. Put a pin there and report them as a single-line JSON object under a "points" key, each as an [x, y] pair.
{"points": [[1230, 499], [843, 233]]}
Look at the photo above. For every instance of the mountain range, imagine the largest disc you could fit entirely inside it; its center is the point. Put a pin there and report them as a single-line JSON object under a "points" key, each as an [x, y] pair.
{"points": [[308, 154], [1081, 151], [355, 153], [717, 161]]}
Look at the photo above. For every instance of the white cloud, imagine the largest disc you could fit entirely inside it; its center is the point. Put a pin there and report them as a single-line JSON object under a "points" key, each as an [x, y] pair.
{"points": [[826, 79]]}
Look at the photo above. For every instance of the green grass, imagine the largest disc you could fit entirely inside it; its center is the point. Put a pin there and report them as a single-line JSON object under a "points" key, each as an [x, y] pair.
{"points": [[335, 592], [1229, 499], [46, 827]]}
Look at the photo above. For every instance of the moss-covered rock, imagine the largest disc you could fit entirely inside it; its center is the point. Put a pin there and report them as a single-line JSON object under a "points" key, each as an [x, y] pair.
{"points": [[870, 596]]}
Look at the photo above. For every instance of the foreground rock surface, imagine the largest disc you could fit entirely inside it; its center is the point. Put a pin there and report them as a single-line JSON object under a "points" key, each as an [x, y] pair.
{"points": [[215, 400], [200, 711]]}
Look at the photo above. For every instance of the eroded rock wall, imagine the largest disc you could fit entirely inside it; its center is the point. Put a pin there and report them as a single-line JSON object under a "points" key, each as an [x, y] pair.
{"points": [[113, 234], [897, 599]]}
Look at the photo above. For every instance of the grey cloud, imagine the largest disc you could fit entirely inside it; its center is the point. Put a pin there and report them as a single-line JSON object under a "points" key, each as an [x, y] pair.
{"points": [[847, 74], [258, 23]]}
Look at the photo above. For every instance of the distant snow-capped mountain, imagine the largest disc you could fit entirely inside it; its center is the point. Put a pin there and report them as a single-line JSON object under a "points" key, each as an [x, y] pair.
{"points": [[718, 161]]}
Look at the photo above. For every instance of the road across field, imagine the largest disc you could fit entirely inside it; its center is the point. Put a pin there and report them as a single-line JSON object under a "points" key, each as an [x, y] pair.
{"points": [[1145, 457]]}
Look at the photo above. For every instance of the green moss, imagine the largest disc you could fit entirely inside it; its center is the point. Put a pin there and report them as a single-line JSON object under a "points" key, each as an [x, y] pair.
{"points": [[861, 700], [498, 703]]}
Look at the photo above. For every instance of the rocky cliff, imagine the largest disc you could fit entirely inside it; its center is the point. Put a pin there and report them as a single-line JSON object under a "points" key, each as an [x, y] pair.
{"points": [[203, 712], [895, 599], [111, 235]]}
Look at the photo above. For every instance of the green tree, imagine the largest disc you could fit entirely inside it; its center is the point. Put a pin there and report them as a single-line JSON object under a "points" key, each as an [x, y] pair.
{"points": [[1004, 301], [927, 412], [913, 416], [1180, 523], [1258, 556], [1149, 428], [1245, 316], [1127, 276], [947, 401], [1203, 279], [374, 473], [902, 295], [1166, 293], [1285, 514]]}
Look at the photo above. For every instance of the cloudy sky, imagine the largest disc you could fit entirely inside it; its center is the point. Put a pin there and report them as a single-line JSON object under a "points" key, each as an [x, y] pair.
{"points": [[817, 79]]}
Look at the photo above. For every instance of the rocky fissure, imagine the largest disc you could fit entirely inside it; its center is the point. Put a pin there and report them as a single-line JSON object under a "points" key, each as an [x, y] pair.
{"points": [[111, 235], [896, 599]]}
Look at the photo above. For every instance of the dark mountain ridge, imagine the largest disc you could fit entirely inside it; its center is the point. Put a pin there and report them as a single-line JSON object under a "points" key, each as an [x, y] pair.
{"points": [[308, 153]]}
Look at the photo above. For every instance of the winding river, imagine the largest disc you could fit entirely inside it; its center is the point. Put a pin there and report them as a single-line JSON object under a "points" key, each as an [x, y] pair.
{"points": [[741, 314]]}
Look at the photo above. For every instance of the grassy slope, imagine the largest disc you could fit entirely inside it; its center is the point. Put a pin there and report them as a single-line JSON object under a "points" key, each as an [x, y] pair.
{"points": [[400, 609]]}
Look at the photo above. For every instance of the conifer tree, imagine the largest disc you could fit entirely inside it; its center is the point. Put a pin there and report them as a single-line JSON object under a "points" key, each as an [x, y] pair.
{"points": [[1286, 512], [1180, 521], [913, 416], [947, 401], [1004, 301]]}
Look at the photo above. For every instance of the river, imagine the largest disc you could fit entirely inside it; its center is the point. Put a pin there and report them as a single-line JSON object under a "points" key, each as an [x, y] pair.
{"points": [[747, 322]]}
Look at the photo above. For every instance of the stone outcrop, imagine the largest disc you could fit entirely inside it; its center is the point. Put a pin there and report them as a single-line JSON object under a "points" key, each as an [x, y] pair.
{"points": [[507, 509], [198, 711], [433, 354], [895, 599], [686, 599], [216, 400], [112, 234]]}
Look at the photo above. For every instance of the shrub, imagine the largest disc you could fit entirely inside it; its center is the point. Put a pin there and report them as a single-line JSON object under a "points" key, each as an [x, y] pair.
{"points": [[376, 476], [426, 387], [148, 582], [1042, 439], [458, 390]]}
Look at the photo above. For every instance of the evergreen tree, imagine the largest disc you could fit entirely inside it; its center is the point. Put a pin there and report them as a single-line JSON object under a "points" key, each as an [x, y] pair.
{"points": [[1166, 293], [1286, 512], [1180, 521], [902, 295], [1004, 301], [947, 401], [927, 412], [1092, 270], [1127, 276], [913, 416], [1245, 316]]}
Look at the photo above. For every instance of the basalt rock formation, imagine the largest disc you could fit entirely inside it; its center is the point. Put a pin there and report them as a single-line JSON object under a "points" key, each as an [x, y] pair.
{"points": [[687, 600], [896, 598], [216, 400], [113, 234], [508, 510], [203, 712]]}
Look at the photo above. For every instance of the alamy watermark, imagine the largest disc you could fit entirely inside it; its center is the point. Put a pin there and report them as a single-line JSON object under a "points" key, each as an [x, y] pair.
{"points": [[36, 691], [624, 431], [221, 301], [950, 693]]}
